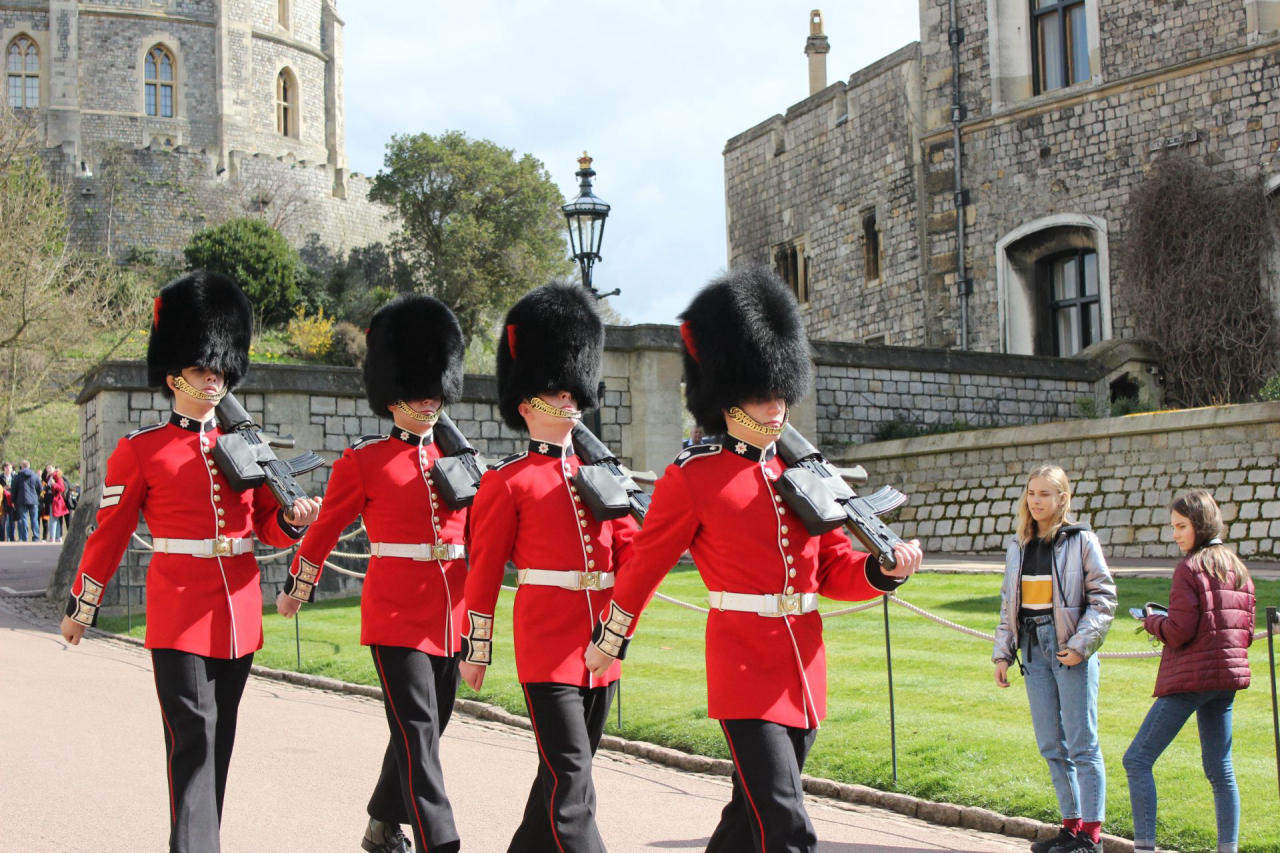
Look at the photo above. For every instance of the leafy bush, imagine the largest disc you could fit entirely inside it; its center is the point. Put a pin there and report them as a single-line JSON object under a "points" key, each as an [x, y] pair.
{"points": [[313, 336], [904, 427], [1087, 407], [348, 345], [1270, 390], [257, 257]]}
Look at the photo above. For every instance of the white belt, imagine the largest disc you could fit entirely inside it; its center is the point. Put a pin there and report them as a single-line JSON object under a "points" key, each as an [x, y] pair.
{"points": [[418, 550], [220, 547], [565, 580], [765, 605]]}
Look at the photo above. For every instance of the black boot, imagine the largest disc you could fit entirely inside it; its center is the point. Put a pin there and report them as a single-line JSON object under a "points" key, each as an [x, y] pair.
{"points": [[381, 837], [1064, 836]]}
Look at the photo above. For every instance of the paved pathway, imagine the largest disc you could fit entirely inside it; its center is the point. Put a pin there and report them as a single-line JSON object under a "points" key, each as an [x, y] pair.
{"points": [[80, 769]]}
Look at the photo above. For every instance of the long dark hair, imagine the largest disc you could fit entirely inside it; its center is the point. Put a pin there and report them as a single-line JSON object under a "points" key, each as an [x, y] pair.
{"points": [[1199, 507]]}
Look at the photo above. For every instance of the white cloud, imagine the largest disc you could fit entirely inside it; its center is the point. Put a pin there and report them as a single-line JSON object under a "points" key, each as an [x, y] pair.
{"points": [[652, 90]]}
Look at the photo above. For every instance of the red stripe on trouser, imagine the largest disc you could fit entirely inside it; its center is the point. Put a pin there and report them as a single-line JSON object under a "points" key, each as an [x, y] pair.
{"points": [[377, 653], [551, 809], [742, 780], [173, 746]]}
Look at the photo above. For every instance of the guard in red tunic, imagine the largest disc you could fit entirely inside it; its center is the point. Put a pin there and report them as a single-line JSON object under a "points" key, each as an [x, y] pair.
{"points": [[411, 607], [528, 512], [747, 362], [204, 602]]}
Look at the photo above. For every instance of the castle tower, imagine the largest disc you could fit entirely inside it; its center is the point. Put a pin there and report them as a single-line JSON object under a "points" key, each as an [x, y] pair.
{"points": [[816, 48]]}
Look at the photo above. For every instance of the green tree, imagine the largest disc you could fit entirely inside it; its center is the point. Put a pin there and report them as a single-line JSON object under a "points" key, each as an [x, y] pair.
{"points": [[64, 312], [257, 257], [479, 226]]}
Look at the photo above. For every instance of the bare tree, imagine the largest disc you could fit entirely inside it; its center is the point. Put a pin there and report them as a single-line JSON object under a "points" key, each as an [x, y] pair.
{"points": [[64, 312], [1195, 251], [276, 199]]}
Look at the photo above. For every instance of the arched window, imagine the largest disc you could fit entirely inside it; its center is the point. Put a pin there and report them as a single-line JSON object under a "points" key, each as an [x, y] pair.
{"points": [[161, 72], [286, 103], [23, 68]]}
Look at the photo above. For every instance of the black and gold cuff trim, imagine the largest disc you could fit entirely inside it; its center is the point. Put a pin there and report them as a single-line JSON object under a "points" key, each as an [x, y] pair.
{"points": [[83, 608], [878, 579], [610, 636], [477, 646], [302, 586]]}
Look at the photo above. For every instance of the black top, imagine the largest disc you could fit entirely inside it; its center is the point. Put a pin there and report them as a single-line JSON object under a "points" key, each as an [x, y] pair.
{"points": [[1037, 579]]}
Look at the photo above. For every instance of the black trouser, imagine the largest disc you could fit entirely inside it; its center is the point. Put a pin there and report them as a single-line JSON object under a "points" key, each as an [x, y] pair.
{"points": [[199, 699], [766, 813], [418, 691], [560, 815]]}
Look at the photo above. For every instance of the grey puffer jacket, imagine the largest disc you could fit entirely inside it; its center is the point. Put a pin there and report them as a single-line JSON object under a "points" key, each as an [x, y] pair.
{"points": [[1084, 594]]}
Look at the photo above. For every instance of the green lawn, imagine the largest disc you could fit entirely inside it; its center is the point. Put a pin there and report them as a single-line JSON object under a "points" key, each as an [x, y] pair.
{"points": [[960, 739]]}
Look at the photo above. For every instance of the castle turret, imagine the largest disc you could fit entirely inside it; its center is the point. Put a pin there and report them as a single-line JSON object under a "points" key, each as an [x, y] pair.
{"points": [[817, 48]]}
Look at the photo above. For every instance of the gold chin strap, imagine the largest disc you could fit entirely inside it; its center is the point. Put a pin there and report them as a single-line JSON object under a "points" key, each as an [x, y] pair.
{"points": [[740, 417], [191, 391], [540, 405], [418, 416]]}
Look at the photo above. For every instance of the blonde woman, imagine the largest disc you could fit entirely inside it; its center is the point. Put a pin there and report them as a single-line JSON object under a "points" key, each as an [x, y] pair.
{"points": [[1056, 605]]}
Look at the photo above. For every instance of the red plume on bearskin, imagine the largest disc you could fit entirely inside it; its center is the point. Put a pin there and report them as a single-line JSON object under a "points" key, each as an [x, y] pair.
{"points": [[561, 348], [415, 352], [200, 319], [743, 340]]}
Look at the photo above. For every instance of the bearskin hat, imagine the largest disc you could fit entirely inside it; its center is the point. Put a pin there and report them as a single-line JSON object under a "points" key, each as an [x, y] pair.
{"points": [[200, 319], [415, 352], [743, 340], [552, 340]]}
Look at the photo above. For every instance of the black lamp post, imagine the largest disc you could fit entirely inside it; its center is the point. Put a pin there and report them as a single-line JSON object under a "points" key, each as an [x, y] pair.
{"points": [[586, 215]]}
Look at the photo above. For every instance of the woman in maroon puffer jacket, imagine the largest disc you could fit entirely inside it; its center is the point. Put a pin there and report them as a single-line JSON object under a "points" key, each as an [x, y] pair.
{"points": [[1206, 635]]}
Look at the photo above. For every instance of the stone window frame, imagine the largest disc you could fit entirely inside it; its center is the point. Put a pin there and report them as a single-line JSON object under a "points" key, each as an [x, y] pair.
{"points": [[41, 40], [159, 83], [284, 10], [871, 211], [174, 47], [1016, 280], [1010, 55], [1060, 8], [1078, 304], [1271, 270], [794, 251], [1262, 20], [24, 74], [288, 124]]}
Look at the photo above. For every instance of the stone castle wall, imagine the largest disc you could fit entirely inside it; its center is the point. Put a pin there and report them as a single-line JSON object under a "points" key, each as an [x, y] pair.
{"points": [[963, 488], [1044, 172]]}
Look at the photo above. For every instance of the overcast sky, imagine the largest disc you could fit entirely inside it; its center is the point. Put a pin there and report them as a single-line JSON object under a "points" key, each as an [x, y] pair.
{"points": [[652, 89]]}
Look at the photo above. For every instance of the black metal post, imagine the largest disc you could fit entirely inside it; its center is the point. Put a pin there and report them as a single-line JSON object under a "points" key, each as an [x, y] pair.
{"points": [[619, 703], [128, 599], [1275, 712], [297, 638], [893, 723]]}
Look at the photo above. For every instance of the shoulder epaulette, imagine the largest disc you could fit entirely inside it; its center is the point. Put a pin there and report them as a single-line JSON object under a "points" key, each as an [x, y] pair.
{"points": [[696, 451], [148, 428], [366, 440], [502, 463]]}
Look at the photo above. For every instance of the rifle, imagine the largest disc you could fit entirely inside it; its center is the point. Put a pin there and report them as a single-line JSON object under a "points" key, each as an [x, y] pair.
{"points": [[456, 474], [243, 453], [816, 492], [607, 488]]}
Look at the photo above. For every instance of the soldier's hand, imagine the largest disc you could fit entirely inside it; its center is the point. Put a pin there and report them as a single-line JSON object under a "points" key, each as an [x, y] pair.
{"points": [[597, 661], [305, 511], [473, 674], [1002, 673], [72, 630], [287, 605], [908, 556]]}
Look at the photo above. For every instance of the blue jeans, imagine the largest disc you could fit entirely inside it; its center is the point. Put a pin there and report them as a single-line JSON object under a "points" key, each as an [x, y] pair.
{"points": [[32, 513], [55, 527], [1064, 714], [11, 526], [1164, 721]]}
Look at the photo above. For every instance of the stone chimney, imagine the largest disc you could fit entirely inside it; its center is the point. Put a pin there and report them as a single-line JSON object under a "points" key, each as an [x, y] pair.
{"points": [[816, 48]]}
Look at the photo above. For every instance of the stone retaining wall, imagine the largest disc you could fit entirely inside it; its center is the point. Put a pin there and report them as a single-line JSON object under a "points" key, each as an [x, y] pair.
{"points": [[964, 487]]}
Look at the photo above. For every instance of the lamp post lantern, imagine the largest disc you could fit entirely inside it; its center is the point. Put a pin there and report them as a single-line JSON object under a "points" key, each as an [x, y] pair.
{"points": [[586, 215]]}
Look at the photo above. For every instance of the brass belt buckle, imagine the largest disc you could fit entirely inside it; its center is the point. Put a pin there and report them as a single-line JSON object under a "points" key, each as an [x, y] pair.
{"points": [[440, 551], [789, 603], [222, 546], [589, 580]]}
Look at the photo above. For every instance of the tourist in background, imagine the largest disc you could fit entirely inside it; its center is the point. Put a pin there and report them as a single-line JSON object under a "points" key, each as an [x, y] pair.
{"points": [[58, 511], [1206, 634], [46, 502], [8, 515], [1056, 604], [26, 501]]}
